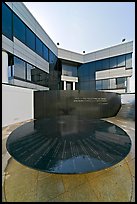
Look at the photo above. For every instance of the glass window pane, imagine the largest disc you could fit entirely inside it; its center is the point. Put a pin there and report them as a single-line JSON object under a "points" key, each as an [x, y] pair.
{"points": [[10, 65], [84, 85], [98, 84], [45, 53], [112, 83], [113, 62], [38, 46], [7, 21], [91, 70], [105, 84], [19, 68], [69, 70], [52, 61], [98, 65], [39, 77], [105, 64], [29, 71], [30, 39], [120, 82], [19, 29], [81, 71], [129, 60], [121, 60], [92, 85], [9, 71]]}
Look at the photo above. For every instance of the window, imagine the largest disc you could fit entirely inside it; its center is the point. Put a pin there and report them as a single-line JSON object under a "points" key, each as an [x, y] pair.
{"points": [[129, 60], [29, 71], [30, 39], [19, 29], [39, 77], [92, 70], [113, 62], [98, 84], [69, 70], [38, 46], [45, 53], [52, 61], [98, 65], [120, 82], [105, 64], [84, 85], [105, 84], [7, 22], [19, 68], [81, 71], [113, 83], [121, 60], [92, 85], [10, 65]]}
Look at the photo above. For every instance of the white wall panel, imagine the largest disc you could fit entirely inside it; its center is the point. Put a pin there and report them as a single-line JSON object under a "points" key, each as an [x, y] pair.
{"points": [[7, 44], [113, 73], [27, 84], [115, 91], [109, 52], [119, 72], [17, 104], [68, 55], [69, 78], [103, 74]]}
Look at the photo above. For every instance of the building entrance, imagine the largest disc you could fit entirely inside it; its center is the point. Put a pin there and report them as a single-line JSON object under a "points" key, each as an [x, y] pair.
{"points": [[69, 85]]}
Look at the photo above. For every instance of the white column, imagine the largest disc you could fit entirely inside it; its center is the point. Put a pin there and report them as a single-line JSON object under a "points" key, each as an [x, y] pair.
{"points": [[73, 85], [128, 84], [4, 67], [65, 85]]}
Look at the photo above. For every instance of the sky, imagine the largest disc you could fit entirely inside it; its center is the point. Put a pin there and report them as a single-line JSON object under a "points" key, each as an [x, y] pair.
{"points": [[87, 26]]}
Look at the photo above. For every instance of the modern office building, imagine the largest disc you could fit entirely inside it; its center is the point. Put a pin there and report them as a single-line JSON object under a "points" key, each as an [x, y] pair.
{"points": [[31, 59]]}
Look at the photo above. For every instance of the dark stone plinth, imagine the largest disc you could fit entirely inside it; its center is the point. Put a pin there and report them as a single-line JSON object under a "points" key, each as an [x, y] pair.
{"points": [[68, 144]]}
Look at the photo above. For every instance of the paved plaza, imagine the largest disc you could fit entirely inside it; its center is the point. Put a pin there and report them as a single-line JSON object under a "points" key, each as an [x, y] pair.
{"points": [[115, 184]]}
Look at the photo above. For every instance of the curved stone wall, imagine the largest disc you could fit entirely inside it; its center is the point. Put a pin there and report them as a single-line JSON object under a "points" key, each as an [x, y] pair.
{"points": [[85, 104]]}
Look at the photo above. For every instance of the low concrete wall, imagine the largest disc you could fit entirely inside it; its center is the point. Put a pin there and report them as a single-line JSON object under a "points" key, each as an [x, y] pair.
{"points": [[127, 110], [17, 104], [128, 98]]}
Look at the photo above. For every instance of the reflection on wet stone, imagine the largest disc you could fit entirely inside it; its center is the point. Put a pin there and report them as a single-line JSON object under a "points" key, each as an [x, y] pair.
{"points": [[68, 144]]}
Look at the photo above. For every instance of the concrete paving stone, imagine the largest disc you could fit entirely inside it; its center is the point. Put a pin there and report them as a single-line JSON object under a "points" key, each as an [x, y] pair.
{"points": [[81, 193], [20, 182], [49, 188], [72, 181], [133, 190], [113, 186], [20, 188], [4, 150], [131, 165], [43, 175], [21, 196], [3, 195], [15, 167]]}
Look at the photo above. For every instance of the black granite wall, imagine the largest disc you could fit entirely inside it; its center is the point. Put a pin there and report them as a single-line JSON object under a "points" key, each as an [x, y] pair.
{"points": [[85, 104]]}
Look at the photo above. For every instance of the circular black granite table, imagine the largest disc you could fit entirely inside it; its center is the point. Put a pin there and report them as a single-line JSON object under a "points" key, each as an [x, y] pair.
{"points": [[68, 144]]}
